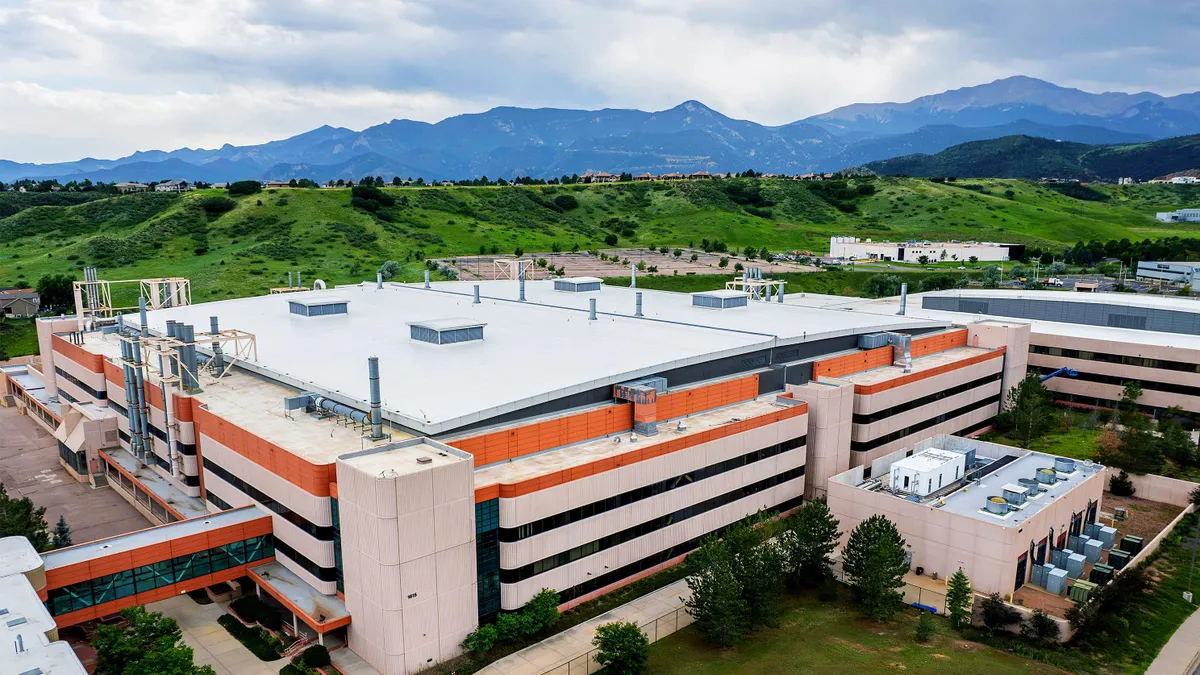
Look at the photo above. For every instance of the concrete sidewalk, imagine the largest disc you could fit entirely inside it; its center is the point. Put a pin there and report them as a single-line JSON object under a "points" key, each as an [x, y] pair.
{"points": [[566, 653], [213, 645], [1179, 656]]}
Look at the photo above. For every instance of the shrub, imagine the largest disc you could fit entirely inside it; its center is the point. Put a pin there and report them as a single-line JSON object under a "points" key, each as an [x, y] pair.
{"points": [[245, 187], [316, 656], [1121, 485], [1040, 628], [481, 639], [924, 626], [214, 206], [997, 615], [566, 202], [611, 240], [542, 610], [508, 627]]}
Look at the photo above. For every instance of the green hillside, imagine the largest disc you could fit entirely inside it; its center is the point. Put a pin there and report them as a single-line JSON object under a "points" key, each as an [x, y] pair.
{"points": [[250, 247], [1029, 157]]}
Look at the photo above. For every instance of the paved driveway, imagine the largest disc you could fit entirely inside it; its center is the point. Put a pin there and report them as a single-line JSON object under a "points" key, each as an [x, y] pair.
{"points": [[213, 645], [29, 468]]}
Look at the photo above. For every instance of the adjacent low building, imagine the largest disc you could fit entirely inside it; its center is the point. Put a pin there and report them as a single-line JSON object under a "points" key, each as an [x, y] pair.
{"points": [[1180, 216], [1169, 272], [19, 303], [853, 248], [1007, 511]]}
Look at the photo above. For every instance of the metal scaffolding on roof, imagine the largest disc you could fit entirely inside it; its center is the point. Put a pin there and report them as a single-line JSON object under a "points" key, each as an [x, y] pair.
{"points": [[93, 296]]}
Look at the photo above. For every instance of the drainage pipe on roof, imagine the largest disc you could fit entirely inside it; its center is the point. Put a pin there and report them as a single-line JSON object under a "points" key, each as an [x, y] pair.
{"points": [[376, 417]]}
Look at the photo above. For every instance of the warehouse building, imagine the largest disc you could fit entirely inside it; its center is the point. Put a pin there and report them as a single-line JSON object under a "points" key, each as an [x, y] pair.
{"points": [[510, 436], [1169, 272], [853, 248]]}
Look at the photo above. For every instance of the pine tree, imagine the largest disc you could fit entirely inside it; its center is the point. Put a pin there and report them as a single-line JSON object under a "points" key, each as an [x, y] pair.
{"points": [[924, 626], [959, 599], [62, 533], [874, 560], [20, 518], [1028, 412], [720, 612], [809, 542], [759, 567]]}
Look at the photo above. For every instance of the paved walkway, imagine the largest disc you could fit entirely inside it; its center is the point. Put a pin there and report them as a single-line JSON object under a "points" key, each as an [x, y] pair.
{"points": [[214, 646], [29, 468], [1181, 652], [568, 650]]}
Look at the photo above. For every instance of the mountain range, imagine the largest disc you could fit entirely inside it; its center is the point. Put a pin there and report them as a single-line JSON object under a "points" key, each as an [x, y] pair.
{"points": [[545, 142]]}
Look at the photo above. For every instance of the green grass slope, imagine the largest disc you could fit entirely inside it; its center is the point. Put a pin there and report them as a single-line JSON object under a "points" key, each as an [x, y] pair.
{"points": [[1028, 157], [249, 248]]}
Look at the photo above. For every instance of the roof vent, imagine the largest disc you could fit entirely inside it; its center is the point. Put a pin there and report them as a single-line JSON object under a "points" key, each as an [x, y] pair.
{"points": [[872, 340], [446, 331], [319, 306], [578, 284], [725, 299], [424, 460]]}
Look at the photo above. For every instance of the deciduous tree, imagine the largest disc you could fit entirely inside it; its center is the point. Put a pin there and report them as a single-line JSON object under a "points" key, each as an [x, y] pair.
{"points": [[716, 604], [622, 648], [148, 643], [20, 518], [808, 543]]}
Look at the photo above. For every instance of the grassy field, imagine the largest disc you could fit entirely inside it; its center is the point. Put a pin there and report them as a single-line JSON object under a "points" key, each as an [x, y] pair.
{"points": [[249, 249], [829, 282], [18, 337], [816, 637]]}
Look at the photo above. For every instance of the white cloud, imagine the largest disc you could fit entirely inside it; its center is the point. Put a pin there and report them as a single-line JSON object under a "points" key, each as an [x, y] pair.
{"points": [[105, 78]]}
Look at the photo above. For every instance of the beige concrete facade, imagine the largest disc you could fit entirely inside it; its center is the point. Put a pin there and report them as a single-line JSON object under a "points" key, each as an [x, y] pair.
{"points": [[830, 407], [943, 540], [408, 549]]}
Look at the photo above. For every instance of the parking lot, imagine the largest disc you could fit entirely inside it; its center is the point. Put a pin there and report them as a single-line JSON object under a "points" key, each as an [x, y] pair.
{"points": [[29, 468]]}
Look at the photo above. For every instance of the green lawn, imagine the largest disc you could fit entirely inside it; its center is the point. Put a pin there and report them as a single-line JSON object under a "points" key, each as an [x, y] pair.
{"points": [[18, 337], [816, 637], [829, 282], [1077, 443], [250, 249]]}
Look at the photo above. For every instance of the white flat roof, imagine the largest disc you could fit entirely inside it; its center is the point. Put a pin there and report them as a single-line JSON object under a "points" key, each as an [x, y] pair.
{"points": [[17, 556], [928, 460], [532, 352]]}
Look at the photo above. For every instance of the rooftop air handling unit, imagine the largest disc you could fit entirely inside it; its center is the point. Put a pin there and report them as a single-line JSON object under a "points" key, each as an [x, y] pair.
{"points": [[1064, 465], [1047, 476], [578, 284], [997, 505], [725, 299]]}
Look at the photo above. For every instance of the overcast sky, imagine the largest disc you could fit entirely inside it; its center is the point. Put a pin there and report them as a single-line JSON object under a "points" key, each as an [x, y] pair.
{"points": [[104, 78]]}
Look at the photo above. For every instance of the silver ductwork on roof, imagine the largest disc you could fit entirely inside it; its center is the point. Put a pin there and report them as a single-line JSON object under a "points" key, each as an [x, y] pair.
{"points": [[376, 417]]}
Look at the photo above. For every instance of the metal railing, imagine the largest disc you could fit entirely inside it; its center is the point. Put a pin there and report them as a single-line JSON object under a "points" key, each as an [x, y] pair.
{"points": [[655, 629]]}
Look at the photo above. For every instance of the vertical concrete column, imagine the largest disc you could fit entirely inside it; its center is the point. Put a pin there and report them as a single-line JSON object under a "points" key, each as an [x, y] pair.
{"points": [[1011, 335], [830, 411]]}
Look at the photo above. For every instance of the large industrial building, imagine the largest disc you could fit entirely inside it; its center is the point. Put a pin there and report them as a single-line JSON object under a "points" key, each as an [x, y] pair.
{"points": [[853, 248], [392, 464], [1169, 272]]}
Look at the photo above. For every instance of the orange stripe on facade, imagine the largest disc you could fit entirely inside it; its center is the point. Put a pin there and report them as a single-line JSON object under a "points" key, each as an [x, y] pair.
{"points": [[313, 622], [939, 343], [90, 361], [848, 364], [498, 446], [650, 451], [312, 478], [925, 374], [114, 374]]}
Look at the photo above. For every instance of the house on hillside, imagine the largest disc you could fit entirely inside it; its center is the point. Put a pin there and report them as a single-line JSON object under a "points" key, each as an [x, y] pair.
{"points": [[19, 303], [674, 175], [273, 184], [600, 177], [1185, 180], [698, 175], [173, 186], [124, 188], [644, 176]]}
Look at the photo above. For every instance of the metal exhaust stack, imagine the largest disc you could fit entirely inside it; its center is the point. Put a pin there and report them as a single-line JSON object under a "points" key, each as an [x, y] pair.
{"points": [[903, 298], [426, 278], [376, 417], [476, 302], [521, 285], [779, 295], [289, 279], [173, 333], [591, 309], [633, 275], [638, 301], [299, 284], [218, 356], [379, 280], [142, 315]]}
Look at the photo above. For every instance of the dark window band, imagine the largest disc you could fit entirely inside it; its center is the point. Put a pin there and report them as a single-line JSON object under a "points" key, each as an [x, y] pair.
{"points": [[924, 400], [322, 532], [122, 410], [864, 446], [1122, 359], [188, 449], [600, 581], [1147, 385], [322, 573], [510, 576], [217, 501], [99, 395], [511, 534]]}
